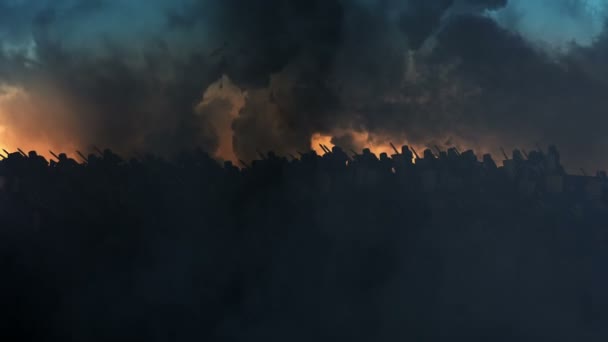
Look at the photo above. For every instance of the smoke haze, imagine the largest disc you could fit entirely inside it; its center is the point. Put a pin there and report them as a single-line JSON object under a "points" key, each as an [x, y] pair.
{"points": [[236, 76]]}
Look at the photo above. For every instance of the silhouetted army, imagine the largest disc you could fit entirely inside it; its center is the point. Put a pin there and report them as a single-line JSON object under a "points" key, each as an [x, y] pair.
{"points": [[345, 245]]}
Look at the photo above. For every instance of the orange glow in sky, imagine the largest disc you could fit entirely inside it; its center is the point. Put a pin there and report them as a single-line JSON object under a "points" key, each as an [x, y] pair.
{"points": [[19, 129], [377, 145]]}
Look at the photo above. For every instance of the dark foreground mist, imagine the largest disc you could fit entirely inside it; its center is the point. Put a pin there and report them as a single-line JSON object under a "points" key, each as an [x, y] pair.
{"points": [[447, 249]]}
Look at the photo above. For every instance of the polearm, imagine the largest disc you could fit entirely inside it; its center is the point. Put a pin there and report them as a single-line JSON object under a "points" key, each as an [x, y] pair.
{"points": [[82, 156], [327, 148], [323, 148], [415, 153], [98, 151], [457, 152], [438, 150], [22, 153], [54, 155], [7, 152], [525, 153], [244, 164], [504, 153], [394, 148]]}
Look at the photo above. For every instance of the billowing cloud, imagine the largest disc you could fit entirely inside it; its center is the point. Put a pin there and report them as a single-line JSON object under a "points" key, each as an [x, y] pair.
{"points": [[555, 24], [145, 75]]}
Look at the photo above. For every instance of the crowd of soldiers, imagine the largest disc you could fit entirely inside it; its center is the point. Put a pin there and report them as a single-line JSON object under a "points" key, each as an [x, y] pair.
{"points": [[538, 174], [345, 245]]}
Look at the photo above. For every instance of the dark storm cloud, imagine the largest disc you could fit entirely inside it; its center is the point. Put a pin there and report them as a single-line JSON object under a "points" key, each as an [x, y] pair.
{"points": [[131, 73], [526, 95], [257, 38], [421, 18], [136, 84]]}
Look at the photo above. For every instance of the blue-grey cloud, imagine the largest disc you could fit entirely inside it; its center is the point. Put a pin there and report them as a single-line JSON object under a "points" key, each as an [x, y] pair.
{"points": [[555, 24]]}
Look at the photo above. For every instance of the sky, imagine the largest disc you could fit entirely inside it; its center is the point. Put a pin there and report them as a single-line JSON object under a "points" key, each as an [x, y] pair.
{"points": [[237, 76]]}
